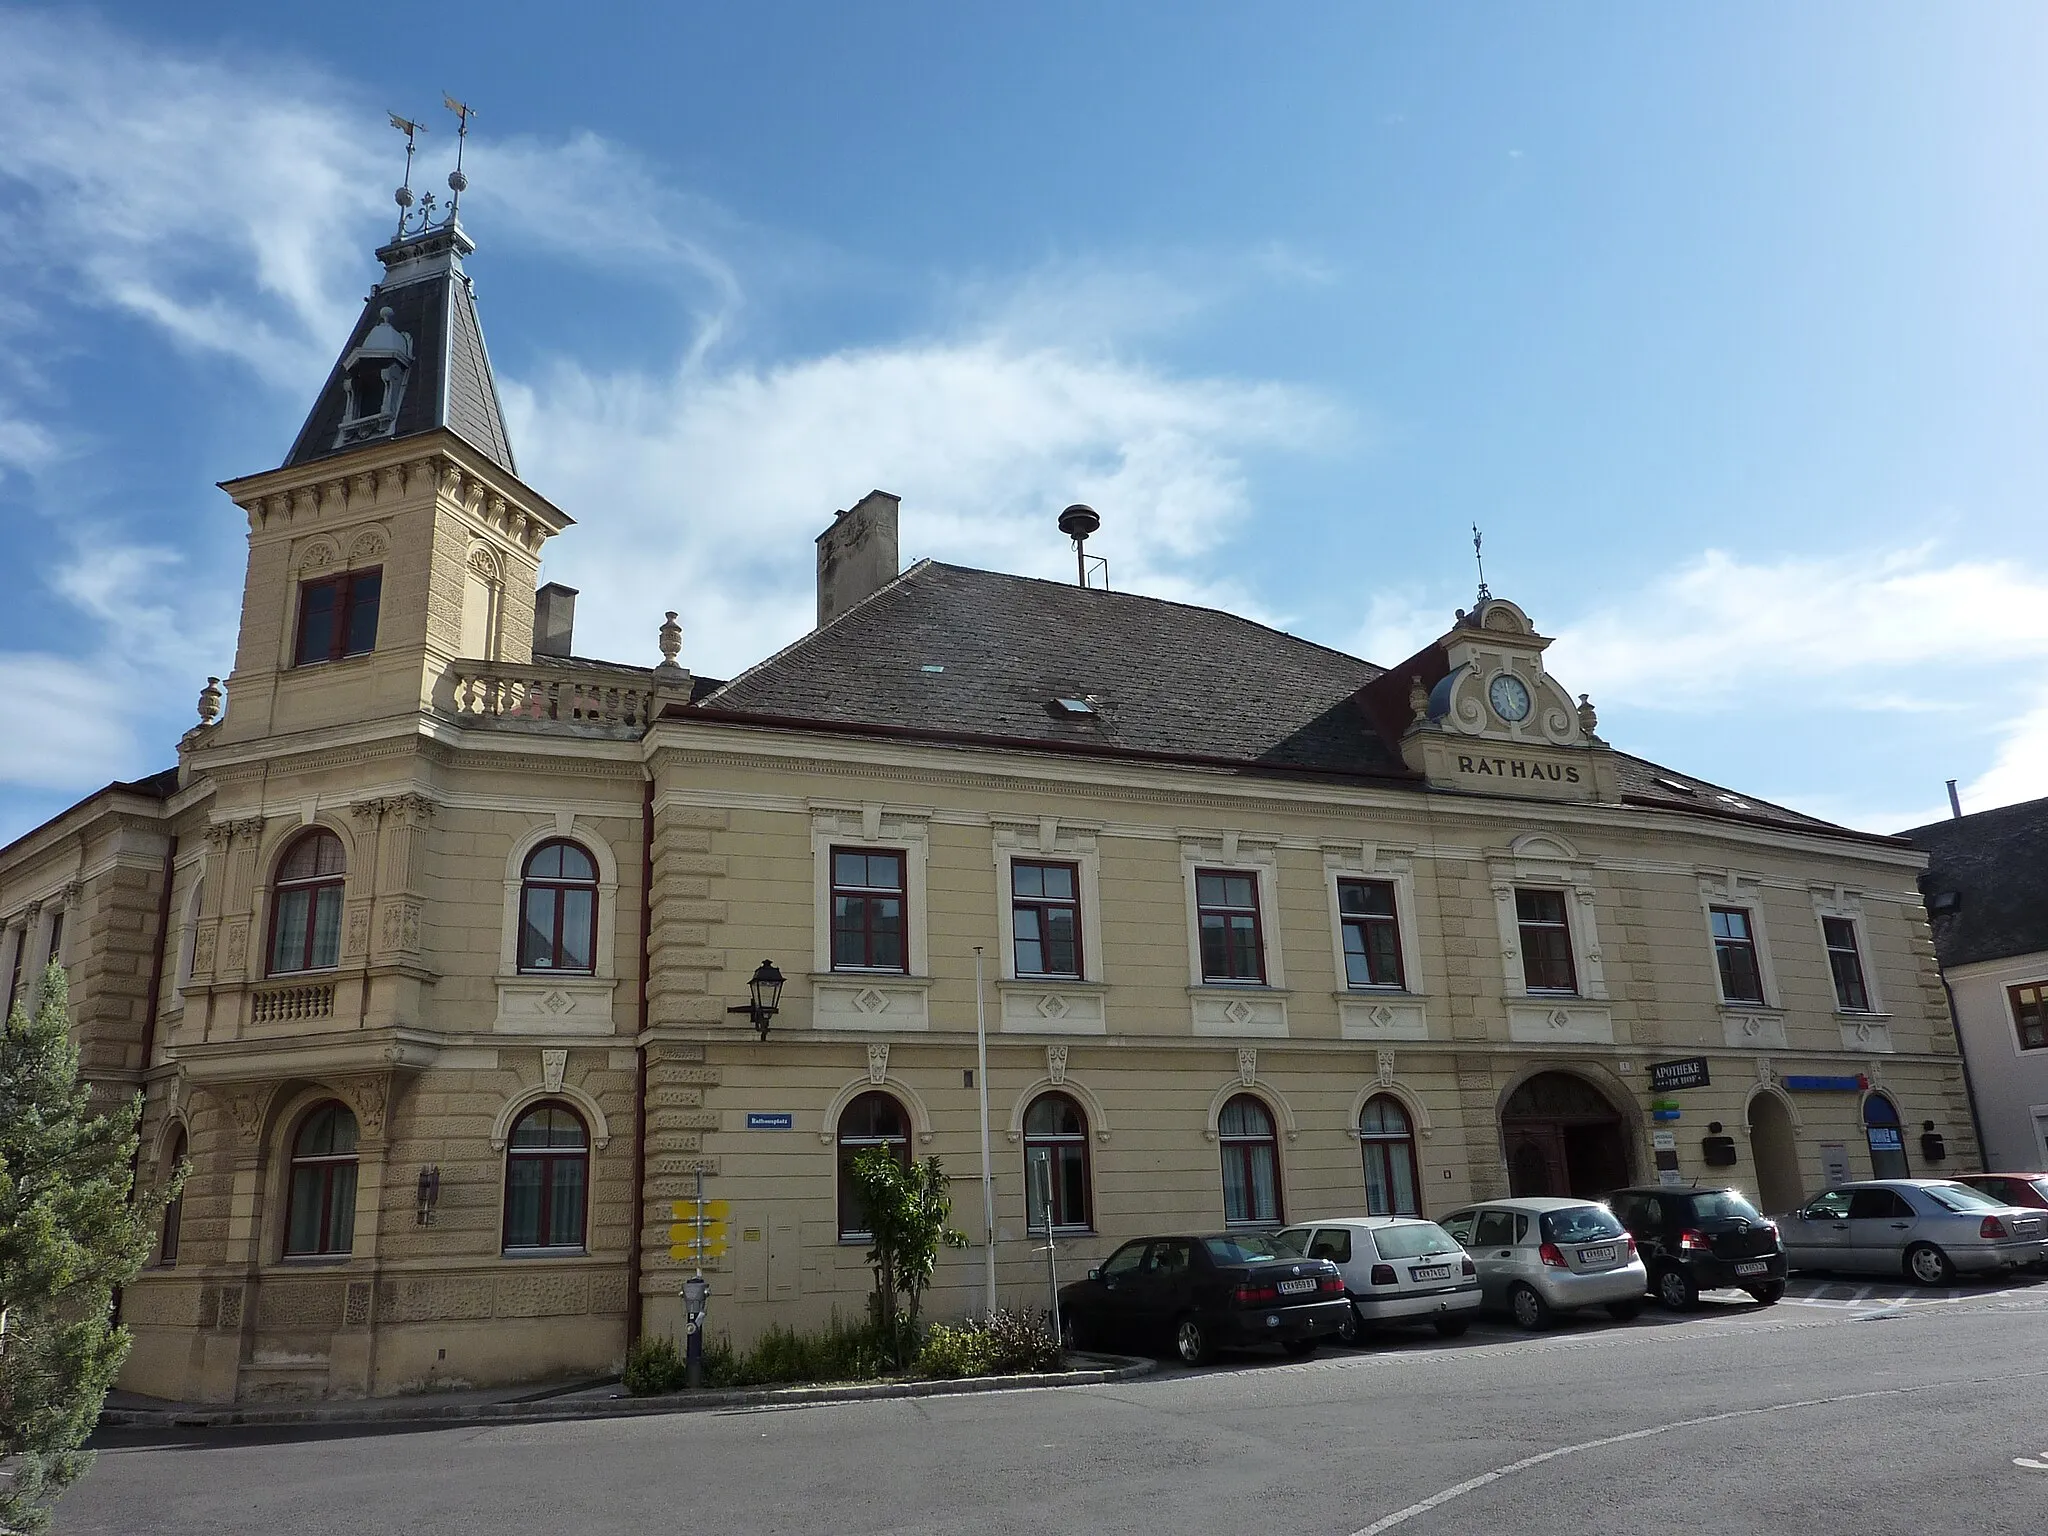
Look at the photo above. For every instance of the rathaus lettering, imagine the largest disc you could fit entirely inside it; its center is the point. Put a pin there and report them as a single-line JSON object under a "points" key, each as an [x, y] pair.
{"points": [[1515, 768]]}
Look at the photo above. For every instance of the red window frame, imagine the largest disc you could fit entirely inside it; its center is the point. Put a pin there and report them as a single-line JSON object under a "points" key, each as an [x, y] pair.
{"points": [[1367, 924], [1845, 964], [547, 1157], [860, 1128], [174, 1210], [1228, 916], [1382, 1147], [1054, 1144], [320, 889], [869, 896], [1238, 1149], [559, 887], [331, 1166], [1042, 907], [1548, 965], [353, 610], [1734, 930], [2029, 1002]]}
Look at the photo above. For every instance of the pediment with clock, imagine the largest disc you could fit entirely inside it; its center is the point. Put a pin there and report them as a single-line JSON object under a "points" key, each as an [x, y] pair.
{"points": [[1483, 713]]}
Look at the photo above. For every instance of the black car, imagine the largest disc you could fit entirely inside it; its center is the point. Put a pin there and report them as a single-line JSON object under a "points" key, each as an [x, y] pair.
{"points": [[1198, 1294], [1695, 1240]]}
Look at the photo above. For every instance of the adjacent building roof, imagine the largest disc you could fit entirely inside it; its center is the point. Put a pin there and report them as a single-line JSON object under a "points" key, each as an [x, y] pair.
{"points": [[949, 652], [1987, 883], [449, 381]]}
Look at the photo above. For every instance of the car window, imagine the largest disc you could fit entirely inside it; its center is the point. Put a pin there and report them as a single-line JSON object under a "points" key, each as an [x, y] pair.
{"points": [[1998, 1189], [1171, 1256], [1459, 1225], [2040, 1189], [1521, 1229], [1832, 1206], [1870, 1204], [1291, 1244], [1239, 1250], [1636, 1212], [1722, 1205], [1581, 1224], [1124, 1261], [1960, 1197], [1332, 1243], [1496, 1229], [1411, 1240]]}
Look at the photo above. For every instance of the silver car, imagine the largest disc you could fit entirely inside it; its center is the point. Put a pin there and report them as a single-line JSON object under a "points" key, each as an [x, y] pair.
{"points": [[1397, 1269], [1928, 1229], [1539, 1257]]}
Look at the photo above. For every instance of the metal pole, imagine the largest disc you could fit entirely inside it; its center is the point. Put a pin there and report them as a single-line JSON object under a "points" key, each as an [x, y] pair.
{"points": [[1052, 1257], [988, 1183], [693, 1349]]}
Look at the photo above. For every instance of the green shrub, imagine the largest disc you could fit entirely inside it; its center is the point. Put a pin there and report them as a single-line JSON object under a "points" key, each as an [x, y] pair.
{"points": [[1018, 1341], [654, 1366], [950, 1352]]}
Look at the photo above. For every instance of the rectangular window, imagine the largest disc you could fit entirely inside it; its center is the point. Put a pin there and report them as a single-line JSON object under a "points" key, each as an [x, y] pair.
{"points": [[338, 616], [1851, 996], [867, 911], [1045, 918], [1546, 942], [1227, 908], [1372, 933], [56, 938], [2030, 1014], [1735, 954]]}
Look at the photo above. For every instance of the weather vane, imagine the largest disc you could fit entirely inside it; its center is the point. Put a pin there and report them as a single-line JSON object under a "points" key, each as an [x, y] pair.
{"points": [[457, 182], [403, 196], [1479, 557]]}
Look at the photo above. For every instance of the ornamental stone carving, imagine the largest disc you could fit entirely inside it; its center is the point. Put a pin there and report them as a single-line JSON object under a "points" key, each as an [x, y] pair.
{"points": [[878, 1062], [552, 1065], [1056, 1063], [1247, 1065]]}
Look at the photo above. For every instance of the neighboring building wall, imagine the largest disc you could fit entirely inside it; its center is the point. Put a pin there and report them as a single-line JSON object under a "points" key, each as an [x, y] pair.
{"points": [[2011, 1081]]}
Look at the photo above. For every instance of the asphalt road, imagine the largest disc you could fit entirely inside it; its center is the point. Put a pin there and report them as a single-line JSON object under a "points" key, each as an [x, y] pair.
{"points": [[1848, 1408]]}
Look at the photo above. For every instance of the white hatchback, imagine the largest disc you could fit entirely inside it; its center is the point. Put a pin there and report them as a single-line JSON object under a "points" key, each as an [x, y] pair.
{"points": [[1397, 1269]]}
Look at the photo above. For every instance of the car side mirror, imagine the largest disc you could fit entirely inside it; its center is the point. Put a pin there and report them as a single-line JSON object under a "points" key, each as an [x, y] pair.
{"points": [[1095, 1274]]}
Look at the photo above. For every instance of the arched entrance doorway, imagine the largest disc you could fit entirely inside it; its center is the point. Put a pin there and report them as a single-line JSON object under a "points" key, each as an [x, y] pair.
{"points": [[1563, 1137], [1779, 1187]]}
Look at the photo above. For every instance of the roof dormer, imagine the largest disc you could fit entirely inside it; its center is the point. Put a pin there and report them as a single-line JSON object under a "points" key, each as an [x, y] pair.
{"points": [[373, 383]]}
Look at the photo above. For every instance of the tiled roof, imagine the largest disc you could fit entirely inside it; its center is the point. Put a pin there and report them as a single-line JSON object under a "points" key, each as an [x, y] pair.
{"points": [[966, 653], [1995, 863]]}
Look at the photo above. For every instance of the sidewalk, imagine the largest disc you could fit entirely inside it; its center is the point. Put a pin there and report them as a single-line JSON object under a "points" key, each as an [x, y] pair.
{"points": [[574, 1400]]}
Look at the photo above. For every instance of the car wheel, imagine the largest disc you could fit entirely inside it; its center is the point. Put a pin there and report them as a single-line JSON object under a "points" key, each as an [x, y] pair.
{"points": [[1191, 1342], [1531, 1311], [1676, 1290], [1301, 1349], [1624, 1311], [1451, 1327], [1929, 1265], [1768, 1295], [1351, 1331]]}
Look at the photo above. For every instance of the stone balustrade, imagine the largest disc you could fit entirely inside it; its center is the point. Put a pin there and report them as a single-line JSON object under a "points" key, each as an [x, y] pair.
{"points": [[547, 695], [308, 1000]]}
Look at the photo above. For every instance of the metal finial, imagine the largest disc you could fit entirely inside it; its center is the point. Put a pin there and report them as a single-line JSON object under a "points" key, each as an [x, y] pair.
{"points": [[403, 196], [457, 182], [1479, 557]]}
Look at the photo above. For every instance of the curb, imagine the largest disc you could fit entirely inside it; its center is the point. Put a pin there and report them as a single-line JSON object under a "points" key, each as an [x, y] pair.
{"points": [[542, 1411]]}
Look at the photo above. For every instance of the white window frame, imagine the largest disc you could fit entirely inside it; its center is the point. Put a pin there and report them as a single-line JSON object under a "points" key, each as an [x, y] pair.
{"points": [[564, 828], [1745, 893], [1051, 841], [1388, 866], [1844, 904], [1236, 854], [883, 830], [1544, 861]]}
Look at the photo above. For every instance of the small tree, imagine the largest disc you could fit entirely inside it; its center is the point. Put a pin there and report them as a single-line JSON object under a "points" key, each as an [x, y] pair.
{"points": [[907, 1209], [69, 1236]]}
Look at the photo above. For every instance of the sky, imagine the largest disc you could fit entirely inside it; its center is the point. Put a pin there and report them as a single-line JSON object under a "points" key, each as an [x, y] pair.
{"points": [[1725, 324]]}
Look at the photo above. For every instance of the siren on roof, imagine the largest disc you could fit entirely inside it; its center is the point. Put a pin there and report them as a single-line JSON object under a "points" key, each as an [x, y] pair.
{"points": [[1077, 522]]}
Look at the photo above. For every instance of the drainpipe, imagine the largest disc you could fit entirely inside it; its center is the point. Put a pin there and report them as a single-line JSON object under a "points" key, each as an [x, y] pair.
{"points": [[1955, 1023], [640, 1073]]}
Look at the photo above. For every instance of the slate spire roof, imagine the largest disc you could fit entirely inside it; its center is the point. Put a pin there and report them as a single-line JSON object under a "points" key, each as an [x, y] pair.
{"points": [[419, 325]]}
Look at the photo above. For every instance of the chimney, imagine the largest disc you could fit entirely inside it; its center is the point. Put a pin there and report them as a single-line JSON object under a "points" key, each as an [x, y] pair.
{"points": [[554, 619], [857, 554]]}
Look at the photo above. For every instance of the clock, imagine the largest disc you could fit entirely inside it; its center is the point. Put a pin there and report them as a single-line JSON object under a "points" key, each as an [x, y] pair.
{"points": [[1509, 698]]}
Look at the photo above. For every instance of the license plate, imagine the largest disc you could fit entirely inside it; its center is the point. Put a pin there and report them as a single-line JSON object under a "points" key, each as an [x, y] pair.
{"points": [[1757, 1268], [1598, 1255], [1296, 1287], [1430, 1272]]}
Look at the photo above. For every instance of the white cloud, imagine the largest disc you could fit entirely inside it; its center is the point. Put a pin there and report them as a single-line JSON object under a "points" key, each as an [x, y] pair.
{"points": [[2020, 771], [82, 734]]}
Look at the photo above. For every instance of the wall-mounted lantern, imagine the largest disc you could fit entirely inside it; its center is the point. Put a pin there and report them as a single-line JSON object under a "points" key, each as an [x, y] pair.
{"points": [[429, 1192], [1932, 1147], [764, 990]]}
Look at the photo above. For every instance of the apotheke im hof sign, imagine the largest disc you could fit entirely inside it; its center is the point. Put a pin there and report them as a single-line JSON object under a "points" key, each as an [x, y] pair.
{"points": [[1688, 1073]]}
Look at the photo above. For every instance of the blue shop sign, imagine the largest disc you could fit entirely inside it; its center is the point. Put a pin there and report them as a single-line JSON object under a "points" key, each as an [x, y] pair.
{"points": [[1886, 1138], [1798, 1084]]}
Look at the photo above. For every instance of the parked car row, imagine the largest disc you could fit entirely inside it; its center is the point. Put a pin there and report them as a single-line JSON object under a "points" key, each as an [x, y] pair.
{"points": [[1346, 1277]]}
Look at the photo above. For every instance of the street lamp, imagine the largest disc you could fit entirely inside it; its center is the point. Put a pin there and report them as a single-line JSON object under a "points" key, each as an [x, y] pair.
{"points": [[765, 992]]}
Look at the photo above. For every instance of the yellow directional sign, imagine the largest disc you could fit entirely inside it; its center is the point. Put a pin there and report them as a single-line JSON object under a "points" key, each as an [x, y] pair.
{"points": [[687, 1234], [686, 1210]]}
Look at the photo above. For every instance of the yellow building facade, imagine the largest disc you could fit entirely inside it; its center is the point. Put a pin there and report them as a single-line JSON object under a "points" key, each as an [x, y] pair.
{"points": [[426, 956]]}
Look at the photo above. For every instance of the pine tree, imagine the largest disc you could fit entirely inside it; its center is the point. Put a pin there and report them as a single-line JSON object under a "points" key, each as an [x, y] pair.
{"points": [[70, 1235]]}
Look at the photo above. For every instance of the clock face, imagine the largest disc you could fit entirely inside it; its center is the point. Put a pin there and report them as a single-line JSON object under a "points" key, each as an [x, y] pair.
{"points": [[1509, 698]]}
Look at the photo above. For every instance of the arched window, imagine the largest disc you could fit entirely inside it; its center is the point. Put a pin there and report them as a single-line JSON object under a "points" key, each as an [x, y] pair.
{"points": [[1056, 1164], [305, 905], [547, 1177], [320, 1208], [872, 1120], [558, 909], [1251, 1163], [174, 1213], [1887, 1138], [1391, 1185]]}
